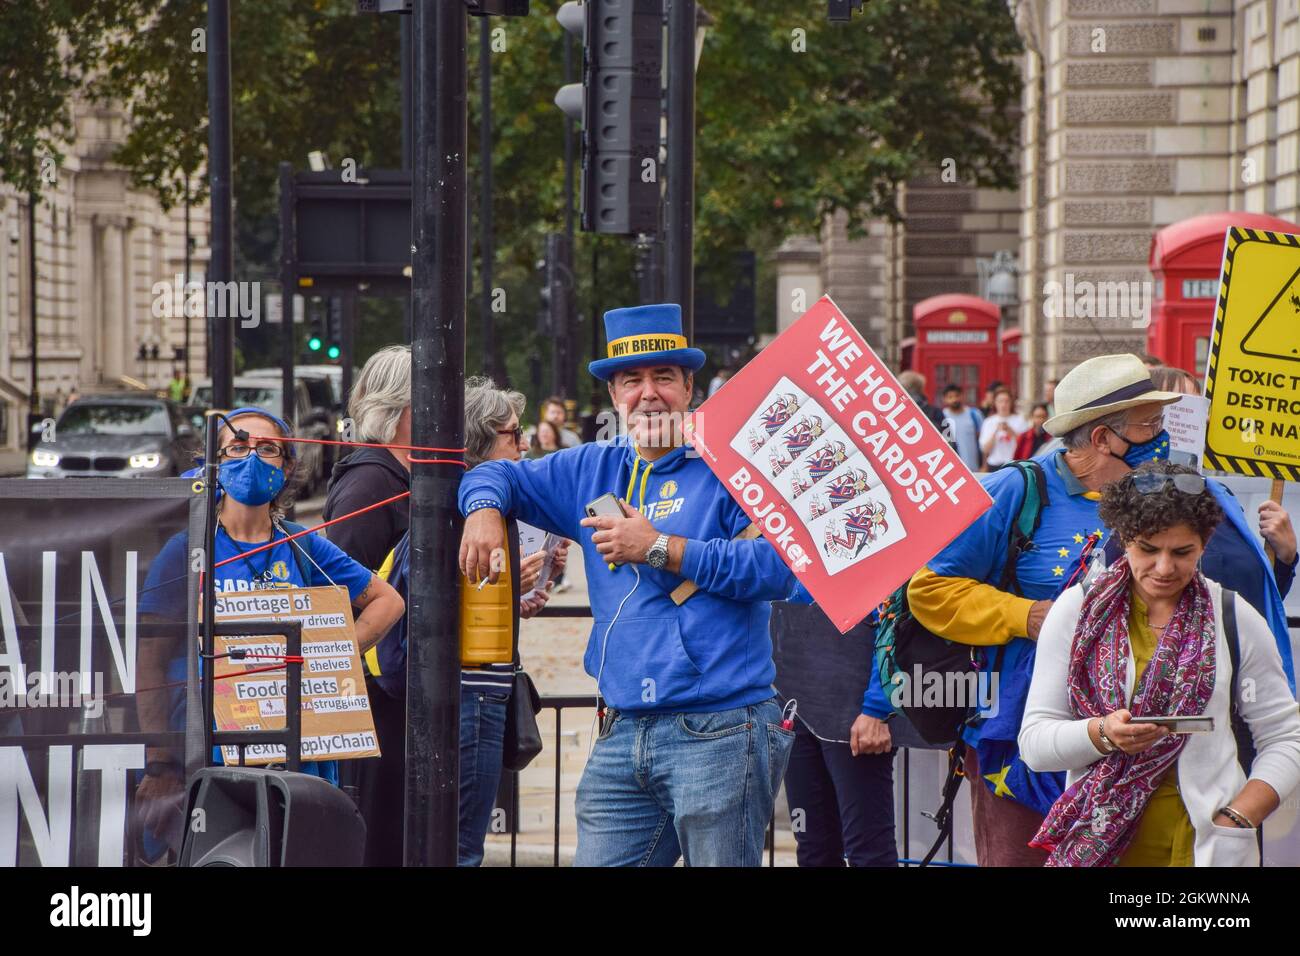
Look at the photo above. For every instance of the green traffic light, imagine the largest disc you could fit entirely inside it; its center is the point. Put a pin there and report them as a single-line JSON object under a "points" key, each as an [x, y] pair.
{"points": [[314, 343], [333, 352]]}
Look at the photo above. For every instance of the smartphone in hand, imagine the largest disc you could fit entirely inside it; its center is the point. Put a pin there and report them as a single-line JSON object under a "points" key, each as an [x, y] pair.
{"points": [[1180, 725], [608, 505]]}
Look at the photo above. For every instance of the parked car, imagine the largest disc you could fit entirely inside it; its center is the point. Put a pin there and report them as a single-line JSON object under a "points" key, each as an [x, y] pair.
{"points": [[122, 436], [332, 374], [323, 390], [266, 393]]}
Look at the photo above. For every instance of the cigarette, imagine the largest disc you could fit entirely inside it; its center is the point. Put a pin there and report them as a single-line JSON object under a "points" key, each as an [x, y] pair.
{"points": [[480, 584]]}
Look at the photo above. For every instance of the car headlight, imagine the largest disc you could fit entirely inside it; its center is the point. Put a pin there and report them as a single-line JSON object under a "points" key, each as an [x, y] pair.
{"points": [[44, 459], [149, 460]]}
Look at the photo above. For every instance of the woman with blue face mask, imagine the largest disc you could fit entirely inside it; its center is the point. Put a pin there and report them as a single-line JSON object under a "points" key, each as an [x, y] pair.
{"points": [[254, 480], [253, 474]]}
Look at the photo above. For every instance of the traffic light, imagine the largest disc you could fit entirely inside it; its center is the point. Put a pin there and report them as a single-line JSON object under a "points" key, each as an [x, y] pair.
{"points": [[316, 333], [617, 105], [334, 326], [555, 322]]}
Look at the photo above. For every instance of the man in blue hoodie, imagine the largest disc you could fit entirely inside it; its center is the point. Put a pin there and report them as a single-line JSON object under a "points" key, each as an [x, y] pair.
{"points": [[691, 749]]}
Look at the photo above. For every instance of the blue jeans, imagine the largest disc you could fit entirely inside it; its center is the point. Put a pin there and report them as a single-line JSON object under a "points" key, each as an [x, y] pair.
{"points": [[482, 733], [699, 786]]}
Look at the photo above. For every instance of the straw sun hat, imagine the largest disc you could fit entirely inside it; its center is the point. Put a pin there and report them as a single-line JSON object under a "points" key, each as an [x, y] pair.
{"points": [[1100, 386]]}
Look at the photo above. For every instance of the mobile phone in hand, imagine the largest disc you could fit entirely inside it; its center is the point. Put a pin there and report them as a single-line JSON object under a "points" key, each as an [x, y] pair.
{"points": [[1180, 725], [607, 505]]}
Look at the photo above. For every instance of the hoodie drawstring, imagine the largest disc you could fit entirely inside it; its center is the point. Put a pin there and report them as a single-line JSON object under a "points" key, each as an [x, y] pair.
{"points": [[636, 467]]}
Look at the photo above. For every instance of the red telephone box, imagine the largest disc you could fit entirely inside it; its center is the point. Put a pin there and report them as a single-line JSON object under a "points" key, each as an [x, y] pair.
{"points": [[957, 343], [1011, 359], [1185, 260], [905, 349]]}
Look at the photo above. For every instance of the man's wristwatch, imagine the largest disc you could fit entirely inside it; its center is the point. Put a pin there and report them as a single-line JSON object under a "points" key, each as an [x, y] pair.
{"points": [[657, 556]]}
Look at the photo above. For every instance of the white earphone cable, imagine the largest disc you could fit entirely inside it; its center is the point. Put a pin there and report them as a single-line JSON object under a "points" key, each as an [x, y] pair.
{"points": [[604, 645]]}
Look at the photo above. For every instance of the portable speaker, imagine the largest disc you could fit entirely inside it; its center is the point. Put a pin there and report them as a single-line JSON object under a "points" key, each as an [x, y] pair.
{"points": [[246, 816]]}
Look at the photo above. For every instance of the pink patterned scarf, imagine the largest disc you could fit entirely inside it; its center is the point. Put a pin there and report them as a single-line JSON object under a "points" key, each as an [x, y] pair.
{"points": [[1093, 822]]}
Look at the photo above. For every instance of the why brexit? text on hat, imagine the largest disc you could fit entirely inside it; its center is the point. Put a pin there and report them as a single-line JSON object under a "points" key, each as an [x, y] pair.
{"points": [[645, 335]]}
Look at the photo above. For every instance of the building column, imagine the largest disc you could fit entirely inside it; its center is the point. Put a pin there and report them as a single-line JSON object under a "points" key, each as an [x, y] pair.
{"points": [[84, 296], [798, 278], [112, 317], [8, 223]]}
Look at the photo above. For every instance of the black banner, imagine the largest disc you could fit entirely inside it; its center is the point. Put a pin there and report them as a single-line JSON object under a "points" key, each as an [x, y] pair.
{"points": [[92, 684]]}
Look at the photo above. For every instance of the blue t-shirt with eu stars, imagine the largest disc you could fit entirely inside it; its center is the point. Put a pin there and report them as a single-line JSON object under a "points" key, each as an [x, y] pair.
{"points": [[980, 552], [164, 592]]}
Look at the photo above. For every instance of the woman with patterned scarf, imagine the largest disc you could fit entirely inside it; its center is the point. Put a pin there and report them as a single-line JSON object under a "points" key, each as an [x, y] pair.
{"points": [[1148, 639]]}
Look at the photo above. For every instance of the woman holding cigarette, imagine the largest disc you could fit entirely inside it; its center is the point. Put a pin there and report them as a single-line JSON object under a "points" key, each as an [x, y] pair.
{"points": [[491, 432], [1153, 638]]}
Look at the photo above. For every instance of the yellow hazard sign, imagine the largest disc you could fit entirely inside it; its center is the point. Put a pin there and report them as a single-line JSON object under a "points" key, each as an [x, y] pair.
{"points": [[1252, 377]]}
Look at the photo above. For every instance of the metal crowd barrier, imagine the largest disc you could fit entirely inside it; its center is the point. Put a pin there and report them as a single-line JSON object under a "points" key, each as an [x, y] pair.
{"points": [[560, 703]]}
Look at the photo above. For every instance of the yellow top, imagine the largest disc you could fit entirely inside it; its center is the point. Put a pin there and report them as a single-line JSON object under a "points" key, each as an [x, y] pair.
{"points": [[1164, 832], [966, 611], [372, 655]]}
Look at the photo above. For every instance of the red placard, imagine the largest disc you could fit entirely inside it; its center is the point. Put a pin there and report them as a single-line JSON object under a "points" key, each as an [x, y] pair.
{"points": [[830, 457]]}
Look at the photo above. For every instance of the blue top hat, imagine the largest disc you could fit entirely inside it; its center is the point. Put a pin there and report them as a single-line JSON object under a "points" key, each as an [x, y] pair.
{"points": [[645, 335]]}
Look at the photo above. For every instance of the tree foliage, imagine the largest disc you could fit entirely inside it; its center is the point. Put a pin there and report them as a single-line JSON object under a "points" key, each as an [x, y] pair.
{"points": [[48, 51], [797, 117]]}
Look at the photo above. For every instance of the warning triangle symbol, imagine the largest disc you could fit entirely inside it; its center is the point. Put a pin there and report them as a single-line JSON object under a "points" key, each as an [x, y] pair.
{"points": [[1276, 333]]}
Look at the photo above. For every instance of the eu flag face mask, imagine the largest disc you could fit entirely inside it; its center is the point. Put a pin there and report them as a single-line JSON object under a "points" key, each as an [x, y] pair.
{"points": [[251, 481], [1157, 449]]}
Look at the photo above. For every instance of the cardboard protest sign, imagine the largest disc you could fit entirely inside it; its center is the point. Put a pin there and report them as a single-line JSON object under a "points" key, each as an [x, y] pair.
{"points": [[1185, 421], [1252, 376], [336, 720], [841, 471]]}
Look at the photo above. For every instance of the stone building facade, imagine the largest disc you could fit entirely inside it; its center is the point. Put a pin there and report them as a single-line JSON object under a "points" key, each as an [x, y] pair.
{"points": [[1136, 114], [100, 246]]}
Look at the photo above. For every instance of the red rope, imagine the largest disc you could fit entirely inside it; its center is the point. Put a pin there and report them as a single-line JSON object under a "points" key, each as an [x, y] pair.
{"points": [[287, 658], [323, 524], [357, 444]]}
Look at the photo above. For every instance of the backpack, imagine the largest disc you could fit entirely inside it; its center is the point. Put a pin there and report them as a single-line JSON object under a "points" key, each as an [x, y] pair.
{"points": [[904, 646], [905, 649]]}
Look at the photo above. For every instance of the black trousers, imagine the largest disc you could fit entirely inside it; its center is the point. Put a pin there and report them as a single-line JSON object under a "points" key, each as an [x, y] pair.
{"points": [[380, 782], [841, 806]]}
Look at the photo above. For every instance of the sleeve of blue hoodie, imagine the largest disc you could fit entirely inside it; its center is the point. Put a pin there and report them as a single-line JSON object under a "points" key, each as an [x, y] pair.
{"points": [[748, 570], [874, 702], [539, 491], [542, 492]]}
